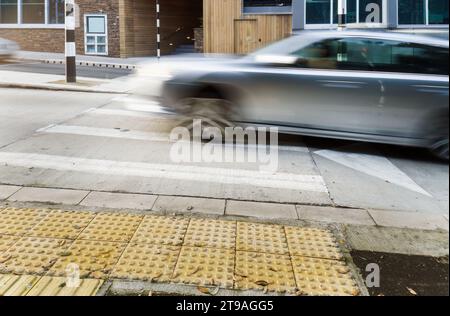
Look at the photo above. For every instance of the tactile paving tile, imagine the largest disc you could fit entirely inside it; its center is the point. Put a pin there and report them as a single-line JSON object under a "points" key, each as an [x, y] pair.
{"points": [[112, 227], [7, 241], [58, 286], [32, 255], [16, 285], [19, 221], [160, 230], [323, 277], [205, 266], [95, 259], [147, 263], [62, 224], [211, 233], [265, 272], [261, 238], [312, 242]]}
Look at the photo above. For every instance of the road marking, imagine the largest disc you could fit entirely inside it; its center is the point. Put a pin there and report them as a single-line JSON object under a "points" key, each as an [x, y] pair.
{"points": [[375, 166], [312, 183], [118, 112]]}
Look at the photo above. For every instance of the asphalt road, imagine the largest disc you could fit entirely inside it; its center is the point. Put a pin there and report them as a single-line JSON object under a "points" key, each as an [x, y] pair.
{"points": [[117, 143], [57, 69]]}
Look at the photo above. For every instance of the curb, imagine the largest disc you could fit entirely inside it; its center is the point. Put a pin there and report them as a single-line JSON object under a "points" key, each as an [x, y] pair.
{"points": [[56, 88], [92, 64]]}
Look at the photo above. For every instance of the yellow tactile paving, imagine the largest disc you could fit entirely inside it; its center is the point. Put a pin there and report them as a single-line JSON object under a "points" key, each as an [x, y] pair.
{"points": [[261, 238], [19, 221], [147, 263], [312, 242], [205, 266], [16, 285], [161, 230], [32, 255], [199, 252], [7, 241], [112, 227], [95, 259], [58, 286], [211, 233], [323, 277], [266, 272], [62, 224]]}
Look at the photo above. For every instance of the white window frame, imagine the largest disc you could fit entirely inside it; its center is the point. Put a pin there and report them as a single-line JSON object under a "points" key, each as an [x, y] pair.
{"points": [[331, 25], [418, 26], [20, 25], [86, 34]]}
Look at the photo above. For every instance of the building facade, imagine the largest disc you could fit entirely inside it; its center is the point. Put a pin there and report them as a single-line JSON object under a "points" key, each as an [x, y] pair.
{"points": [[127, 28]]}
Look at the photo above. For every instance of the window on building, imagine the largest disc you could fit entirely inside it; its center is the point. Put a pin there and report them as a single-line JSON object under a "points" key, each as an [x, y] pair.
{"points": [[267, 6], [423, 12], [8, 11], [96, 39], [325, 12], [33, 11], [56, 11]]}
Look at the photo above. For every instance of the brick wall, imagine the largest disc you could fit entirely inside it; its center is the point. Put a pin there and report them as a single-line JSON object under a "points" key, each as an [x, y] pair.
{"points": [[37, 40]]}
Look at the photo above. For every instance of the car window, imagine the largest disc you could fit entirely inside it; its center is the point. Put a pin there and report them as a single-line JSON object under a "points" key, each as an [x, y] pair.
{"points": [[374, 55]]}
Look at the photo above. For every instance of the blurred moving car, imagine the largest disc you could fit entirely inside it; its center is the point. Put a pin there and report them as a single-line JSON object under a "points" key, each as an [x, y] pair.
{"points": [[7, 49], [355, 85]]}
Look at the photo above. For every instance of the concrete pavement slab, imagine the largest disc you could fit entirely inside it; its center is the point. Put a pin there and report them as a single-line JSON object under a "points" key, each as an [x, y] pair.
{"points": [[45, 195], [174, 204], [334, 215], [7, 190], [261, 210], [397, 240], [409, 220], [119, 200]]}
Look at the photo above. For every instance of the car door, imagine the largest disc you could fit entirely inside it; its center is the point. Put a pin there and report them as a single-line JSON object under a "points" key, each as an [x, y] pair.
{"points": [[329, 90]]}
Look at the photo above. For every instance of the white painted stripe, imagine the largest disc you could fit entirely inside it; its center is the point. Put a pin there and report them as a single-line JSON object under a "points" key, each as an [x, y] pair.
{"points": [[70, 23], [166, 171], [125, 113]]}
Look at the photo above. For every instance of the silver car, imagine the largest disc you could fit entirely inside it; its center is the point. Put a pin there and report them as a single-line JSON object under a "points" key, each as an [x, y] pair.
{"points": [[356, 85], [7, 49]]}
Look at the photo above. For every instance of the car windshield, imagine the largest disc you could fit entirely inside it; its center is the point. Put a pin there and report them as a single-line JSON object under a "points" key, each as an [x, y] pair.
{"points": [[284, 47]]}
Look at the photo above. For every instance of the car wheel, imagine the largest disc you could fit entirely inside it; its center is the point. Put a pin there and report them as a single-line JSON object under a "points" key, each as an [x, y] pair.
{"points": [[441, 146], [211, 113]]}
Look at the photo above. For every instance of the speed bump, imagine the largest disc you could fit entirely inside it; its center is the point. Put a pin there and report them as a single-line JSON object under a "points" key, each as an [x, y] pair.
{"points": [[205, 266], [323, 277], [211, 233], [265, 272], [147, 263], [19, 221], [112, 227], [261, 238], [31, 255]]}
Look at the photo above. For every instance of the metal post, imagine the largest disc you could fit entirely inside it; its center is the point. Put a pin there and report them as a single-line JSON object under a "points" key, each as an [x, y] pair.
{"points": [[158, 30], [71, 70], [342, 14]]}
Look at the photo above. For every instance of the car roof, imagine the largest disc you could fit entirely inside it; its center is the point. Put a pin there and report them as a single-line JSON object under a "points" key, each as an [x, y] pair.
{"points": [[394, 36]]}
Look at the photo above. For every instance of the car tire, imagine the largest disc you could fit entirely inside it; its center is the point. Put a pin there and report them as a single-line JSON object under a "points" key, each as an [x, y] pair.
{"points": [[440, 147]]}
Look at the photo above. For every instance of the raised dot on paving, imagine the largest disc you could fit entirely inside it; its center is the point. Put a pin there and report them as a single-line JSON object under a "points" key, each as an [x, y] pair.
{"points": [[161, 230], [147, 263], [93, 259], [317, 277], [261, 238], [312, 242], [19, 221], [211, 233], [7, 241], [62, 224], [264, 272], [205, 266], [32, 255], [112, 227]]}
